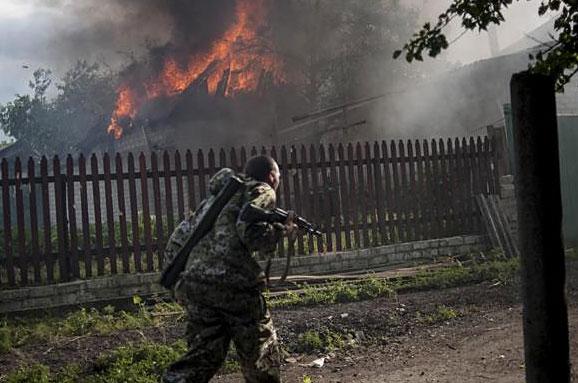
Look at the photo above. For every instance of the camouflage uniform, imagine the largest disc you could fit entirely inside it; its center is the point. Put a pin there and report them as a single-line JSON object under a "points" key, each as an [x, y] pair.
{"points": [[222, 290]]}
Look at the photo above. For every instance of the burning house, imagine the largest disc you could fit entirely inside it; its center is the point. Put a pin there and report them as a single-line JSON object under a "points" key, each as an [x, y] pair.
{"points": [[192, 94]]}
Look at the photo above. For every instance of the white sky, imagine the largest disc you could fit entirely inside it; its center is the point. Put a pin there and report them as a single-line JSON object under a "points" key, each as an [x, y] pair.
{"points": [[28, 29]]}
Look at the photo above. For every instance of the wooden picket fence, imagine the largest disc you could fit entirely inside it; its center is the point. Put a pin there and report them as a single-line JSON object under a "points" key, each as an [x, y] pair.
{"points": [[98, 216]]}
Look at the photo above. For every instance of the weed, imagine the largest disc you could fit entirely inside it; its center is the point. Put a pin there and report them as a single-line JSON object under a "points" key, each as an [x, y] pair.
{"points": [[319, 341], [307, 379], [440, 314], [37, 373], [5, 338], [337, 291], [143, 363]]}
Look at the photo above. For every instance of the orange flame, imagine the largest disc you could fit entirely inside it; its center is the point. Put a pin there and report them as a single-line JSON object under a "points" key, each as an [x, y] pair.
{"points": [[234, 51]]}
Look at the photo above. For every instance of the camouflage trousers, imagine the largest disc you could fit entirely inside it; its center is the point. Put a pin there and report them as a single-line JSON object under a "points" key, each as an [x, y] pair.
{"points": [[215, 318]]}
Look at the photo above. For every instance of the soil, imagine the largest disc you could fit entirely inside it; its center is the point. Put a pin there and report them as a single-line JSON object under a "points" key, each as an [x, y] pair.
{"points": [[402, 339]]}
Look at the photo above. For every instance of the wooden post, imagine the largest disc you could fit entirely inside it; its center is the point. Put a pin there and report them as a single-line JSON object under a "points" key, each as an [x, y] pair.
{"points": [[540, 220]]}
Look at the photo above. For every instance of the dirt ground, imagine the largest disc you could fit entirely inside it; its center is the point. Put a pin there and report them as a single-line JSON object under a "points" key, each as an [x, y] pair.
{"points": [[398, 339]]}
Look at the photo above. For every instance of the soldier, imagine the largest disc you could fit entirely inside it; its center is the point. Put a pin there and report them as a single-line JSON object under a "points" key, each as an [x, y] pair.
{"points": [[222, 285]]}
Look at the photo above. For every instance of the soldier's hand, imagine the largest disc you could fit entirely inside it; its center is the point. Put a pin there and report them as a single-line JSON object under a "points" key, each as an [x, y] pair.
{"points": [[291, 229]]}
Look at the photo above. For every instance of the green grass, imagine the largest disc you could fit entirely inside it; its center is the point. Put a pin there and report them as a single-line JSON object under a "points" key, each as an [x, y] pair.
{"points": [[500, 270], [140, 363], [440, 314], [19, 332], [135, 363], [15, 333], [312, 341]]}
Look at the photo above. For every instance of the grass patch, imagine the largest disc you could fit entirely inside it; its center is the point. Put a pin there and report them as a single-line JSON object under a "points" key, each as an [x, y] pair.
{"points": [[135, 363], [17, 333], [142, 363], [440, 314], [335, 292], [503, 271], [312, 341]]}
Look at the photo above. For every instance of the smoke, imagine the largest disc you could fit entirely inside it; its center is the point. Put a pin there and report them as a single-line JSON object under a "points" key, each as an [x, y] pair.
{"points": [[464, 89], [56, 33]]}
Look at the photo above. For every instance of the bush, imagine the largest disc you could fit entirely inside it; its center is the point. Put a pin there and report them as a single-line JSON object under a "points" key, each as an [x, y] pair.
{"points": [[138, 364], [37, 373], [5, 339]]}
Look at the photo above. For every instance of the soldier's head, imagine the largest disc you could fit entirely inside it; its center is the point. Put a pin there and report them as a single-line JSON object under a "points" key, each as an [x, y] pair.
{"points": [[264, 169]]}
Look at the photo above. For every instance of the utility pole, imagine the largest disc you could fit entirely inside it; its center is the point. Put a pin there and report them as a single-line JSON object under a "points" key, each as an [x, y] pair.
{"points": [[546, 345]]}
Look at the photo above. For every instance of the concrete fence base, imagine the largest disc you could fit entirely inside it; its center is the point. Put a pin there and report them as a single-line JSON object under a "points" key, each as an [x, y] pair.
{"points": [[124, 286]]}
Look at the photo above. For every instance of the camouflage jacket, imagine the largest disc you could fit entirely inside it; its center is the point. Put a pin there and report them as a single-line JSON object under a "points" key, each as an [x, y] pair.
{"points": [[223, 258]]}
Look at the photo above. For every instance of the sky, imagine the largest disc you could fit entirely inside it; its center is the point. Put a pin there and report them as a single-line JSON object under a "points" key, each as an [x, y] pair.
{"points": [[54, 34]]}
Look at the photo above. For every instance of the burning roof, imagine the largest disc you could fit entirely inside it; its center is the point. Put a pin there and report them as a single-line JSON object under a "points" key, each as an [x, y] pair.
{"points": [[237, 59]]}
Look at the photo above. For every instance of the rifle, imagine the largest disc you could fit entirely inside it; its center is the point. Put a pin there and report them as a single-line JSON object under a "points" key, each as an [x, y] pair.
{"points": [[253, 213], [172, 272]]}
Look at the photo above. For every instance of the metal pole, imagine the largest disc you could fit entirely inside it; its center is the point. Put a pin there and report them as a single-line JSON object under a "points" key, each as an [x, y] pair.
{"points": [[540, 228]]}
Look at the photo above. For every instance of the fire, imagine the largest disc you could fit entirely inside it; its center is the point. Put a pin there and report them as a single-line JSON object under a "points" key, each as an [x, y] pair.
{"points": [[240, 51]]}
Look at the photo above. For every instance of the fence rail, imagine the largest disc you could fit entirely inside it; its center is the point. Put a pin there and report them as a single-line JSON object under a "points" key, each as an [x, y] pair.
{"points": [[109, 215]]}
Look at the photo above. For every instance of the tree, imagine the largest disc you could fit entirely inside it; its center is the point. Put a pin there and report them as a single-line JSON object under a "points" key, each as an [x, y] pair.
{"points": [[335, 49], [84, 98], [560, 60], [25, 117]]}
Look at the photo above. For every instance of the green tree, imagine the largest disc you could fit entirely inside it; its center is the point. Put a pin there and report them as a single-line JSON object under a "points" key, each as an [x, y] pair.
{"points": [[25, 117], [84, 98], [559, 60]]}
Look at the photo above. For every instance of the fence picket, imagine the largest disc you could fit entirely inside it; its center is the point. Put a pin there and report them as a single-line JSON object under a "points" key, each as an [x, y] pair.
{"points": [[97, 215], [190, 181], [286, 187], [168, 192], [72, 227], [134, 219], [418, 191], [84, 216], [147, 232], [316, 196], [426, 191], [388, 196], [7, 219], [353, 191], [325, 193], [46, 224], [122, 213], [60, 203], [233, 160], [370, 199], [306, 193], [109, 212], [297, 195], [22, 260], [180, 187], [344, 191], [404, 195], [335, 210], [411, 210], [396, 194], [476, 188], [34, 244], [157, 209], [201, 167]]}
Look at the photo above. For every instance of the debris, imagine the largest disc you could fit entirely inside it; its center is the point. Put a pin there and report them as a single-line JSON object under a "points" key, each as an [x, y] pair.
{"points": [[318, 363], [344, 315]]}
